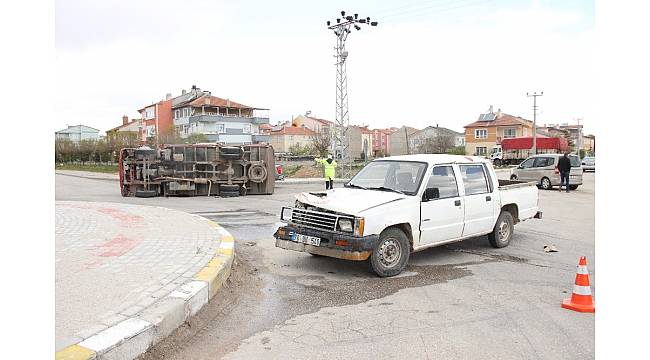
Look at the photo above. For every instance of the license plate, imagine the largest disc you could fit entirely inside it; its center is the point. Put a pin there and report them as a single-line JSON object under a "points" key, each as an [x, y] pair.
{"points": [[305, 239]]}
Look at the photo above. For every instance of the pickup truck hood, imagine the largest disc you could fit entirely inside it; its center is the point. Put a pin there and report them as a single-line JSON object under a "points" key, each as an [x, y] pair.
{"points": [[348, 201]]}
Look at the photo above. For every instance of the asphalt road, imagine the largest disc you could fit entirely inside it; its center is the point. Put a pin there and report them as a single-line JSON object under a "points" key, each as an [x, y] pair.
{"points": [[465, 300]]}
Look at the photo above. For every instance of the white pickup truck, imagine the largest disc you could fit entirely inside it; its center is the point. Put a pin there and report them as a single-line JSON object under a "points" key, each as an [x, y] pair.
{"points": [[400, 204]]}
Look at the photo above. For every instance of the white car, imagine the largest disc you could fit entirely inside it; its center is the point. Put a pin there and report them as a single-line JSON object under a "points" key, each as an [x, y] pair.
{"points": [[400, 204], [589, 163]]}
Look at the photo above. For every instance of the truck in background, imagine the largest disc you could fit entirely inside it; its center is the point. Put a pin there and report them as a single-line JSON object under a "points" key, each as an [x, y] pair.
{"points": [[513, 151], [197, 170]]}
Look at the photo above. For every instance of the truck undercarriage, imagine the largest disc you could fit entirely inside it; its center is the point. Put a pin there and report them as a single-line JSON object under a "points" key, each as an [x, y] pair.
{"points": [[197, 170]]}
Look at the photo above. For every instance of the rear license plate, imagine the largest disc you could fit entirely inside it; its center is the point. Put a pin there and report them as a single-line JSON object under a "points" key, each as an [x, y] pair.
{"points": [[305, 239]]}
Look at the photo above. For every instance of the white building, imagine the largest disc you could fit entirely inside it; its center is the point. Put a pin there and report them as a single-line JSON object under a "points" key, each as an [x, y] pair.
{"points": [[77, 133]]}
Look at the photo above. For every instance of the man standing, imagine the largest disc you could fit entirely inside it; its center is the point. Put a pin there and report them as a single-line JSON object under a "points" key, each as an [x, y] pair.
{"points": [[330, 168], [564, 166]]}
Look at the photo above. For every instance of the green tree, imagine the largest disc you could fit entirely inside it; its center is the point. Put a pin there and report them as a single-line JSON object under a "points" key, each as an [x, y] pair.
{"points": [[298, 149], [458, 150]]}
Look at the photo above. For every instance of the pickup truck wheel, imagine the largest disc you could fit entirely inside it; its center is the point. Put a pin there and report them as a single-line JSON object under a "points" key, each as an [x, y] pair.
{"points": [[513, 177], [502, 233], [546, 183], [391, 253]]}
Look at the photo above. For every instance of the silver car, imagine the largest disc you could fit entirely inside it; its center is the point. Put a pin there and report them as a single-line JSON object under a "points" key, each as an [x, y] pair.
{"points": [[542, 169], [589, 163]]}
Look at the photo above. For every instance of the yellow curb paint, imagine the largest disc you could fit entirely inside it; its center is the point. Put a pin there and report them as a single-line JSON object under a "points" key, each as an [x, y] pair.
{"points": [[75, 352], [225, 251], [216, 262], [213, 276], [228, 238], [214, 224]]}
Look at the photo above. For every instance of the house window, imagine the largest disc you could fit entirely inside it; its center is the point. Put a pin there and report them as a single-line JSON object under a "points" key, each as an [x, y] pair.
{"points": [[186, 112], [510, 133], [480, 134], [177, 114], [221, 128], [481, 150], [150, 113], [247, 129]]}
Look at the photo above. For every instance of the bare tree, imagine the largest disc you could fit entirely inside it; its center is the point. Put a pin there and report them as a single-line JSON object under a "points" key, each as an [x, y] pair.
{"points": [[321, 141], [440, 143]]}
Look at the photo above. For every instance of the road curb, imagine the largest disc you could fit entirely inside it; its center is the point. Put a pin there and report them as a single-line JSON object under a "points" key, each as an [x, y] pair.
{"points": [[134, 336]]}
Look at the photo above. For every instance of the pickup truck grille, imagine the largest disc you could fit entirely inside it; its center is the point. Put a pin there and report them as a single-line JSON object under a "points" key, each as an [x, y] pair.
{"points": [[314, 219]]}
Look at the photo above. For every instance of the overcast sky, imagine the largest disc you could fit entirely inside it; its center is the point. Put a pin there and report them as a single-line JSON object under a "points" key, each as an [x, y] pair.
{"points": [[426, 63]]}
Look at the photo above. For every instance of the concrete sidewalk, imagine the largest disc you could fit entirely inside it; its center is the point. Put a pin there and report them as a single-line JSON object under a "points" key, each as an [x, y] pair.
{"points": [[128, 275]]}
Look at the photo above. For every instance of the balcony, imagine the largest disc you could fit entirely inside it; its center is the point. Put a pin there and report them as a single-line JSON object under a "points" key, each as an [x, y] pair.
{"points": [[222, 118]]}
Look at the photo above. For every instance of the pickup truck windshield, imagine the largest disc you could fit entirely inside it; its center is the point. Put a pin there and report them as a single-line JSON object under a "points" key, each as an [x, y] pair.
{"points": [[399, 176]]}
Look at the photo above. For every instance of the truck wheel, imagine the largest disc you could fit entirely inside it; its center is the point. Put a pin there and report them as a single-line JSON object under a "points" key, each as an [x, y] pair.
{"points": [[146, 193], [573, 187], [229, 193], [497, 162], [391, 253], [257, 173], [546, 183], [513, 177], [502, 233], [229, 188]]}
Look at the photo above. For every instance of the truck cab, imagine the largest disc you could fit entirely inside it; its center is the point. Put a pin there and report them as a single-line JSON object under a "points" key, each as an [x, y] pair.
{"points": [[401, 204]]}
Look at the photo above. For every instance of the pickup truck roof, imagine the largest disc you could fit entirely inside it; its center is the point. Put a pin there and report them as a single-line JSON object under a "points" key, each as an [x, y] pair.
{"points": [[433, 159]]}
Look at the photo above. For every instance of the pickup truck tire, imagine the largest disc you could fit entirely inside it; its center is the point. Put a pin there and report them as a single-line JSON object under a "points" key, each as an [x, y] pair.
{"points": [[503, 229], [391, 253], [513, 177], [497, 162], [545, 183]]}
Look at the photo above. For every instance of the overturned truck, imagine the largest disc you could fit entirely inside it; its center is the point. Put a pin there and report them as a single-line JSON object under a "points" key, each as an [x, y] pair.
{"points": [[198, 169]]}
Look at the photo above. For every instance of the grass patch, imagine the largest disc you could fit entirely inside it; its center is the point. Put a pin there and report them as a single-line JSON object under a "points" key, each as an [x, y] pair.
{"points": [[107, 169], [291, 170]]}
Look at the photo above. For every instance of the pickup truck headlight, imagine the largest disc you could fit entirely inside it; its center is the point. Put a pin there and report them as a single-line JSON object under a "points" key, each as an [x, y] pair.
{"points": [[345, 225]]}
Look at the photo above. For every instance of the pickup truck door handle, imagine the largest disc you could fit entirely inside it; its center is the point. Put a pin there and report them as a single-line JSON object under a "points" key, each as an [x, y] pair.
{"points": [[488, 198], [457, 202]]}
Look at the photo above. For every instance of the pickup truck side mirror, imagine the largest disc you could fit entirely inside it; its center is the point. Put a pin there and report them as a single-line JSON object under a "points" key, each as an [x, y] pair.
{"points": [[431, 193]]}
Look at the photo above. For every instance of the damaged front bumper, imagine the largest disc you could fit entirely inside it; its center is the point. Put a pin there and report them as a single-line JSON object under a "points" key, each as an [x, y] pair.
{"points": [[332, 244]]}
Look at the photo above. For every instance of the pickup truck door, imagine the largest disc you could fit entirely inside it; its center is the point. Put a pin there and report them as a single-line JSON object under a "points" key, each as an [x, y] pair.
{"points": [[442, 217], [478, 198]]}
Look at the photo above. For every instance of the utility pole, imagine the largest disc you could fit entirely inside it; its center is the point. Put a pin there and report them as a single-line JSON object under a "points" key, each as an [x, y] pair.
{"points": [[534, 96], [341, 139]]}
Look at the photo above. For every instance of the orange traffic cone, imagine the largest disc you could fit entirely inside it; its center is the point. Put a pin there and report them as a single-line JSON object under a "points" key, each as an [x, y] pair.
{"points": [[581, 299]]}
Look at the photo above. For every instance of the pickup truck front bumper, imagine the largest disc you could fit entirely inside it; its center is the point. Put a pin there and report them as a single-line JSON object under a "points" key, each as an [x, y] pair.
{"points": [[333, 244]]}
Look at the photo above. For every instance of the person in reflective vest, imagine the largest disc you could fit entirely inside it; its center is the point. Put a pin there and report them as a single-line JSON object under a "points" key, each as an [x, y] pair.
{"points": [[329, 165]]}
